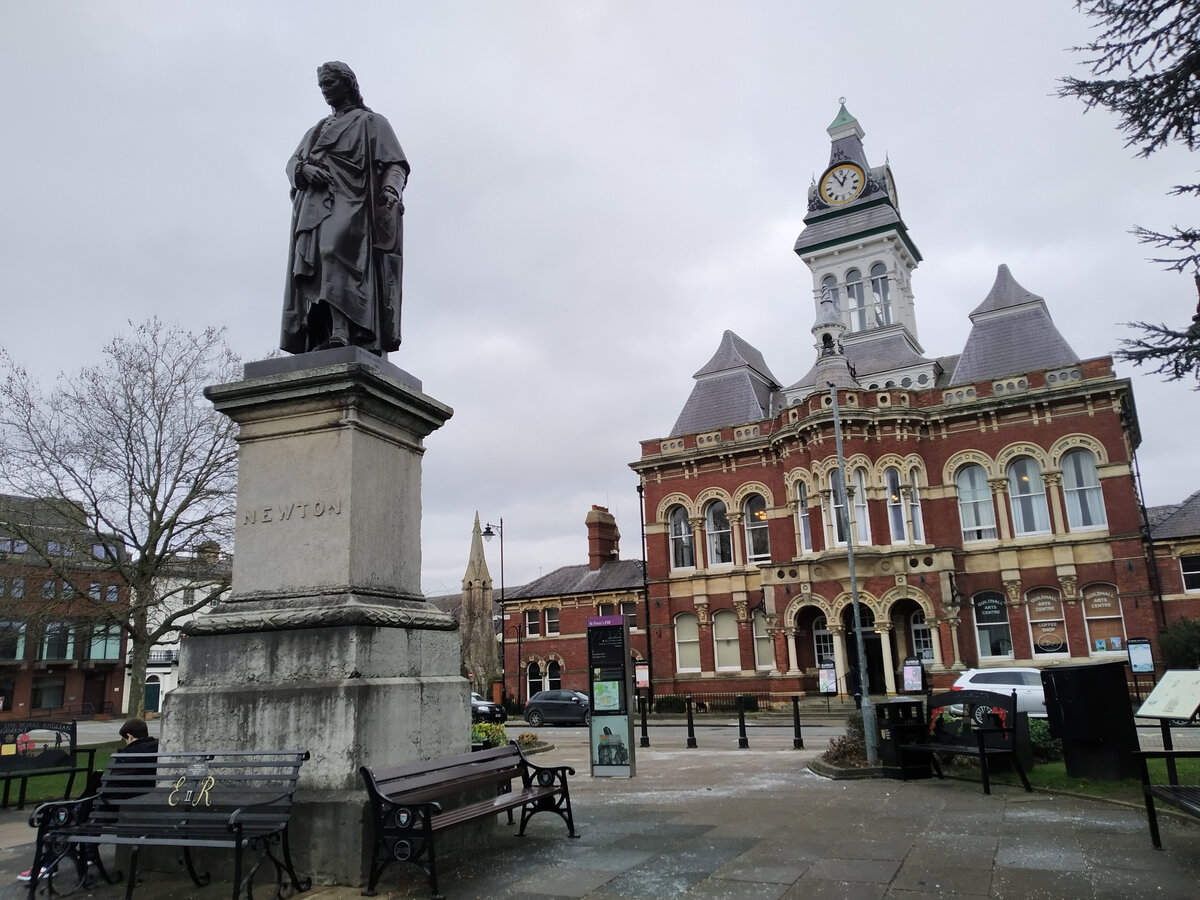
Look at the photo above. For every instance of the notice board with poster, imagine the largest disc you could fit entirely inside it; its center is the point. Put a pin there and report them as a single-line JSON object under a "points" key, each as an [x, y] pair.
{"points": [[610, 678], [1176, 696]]}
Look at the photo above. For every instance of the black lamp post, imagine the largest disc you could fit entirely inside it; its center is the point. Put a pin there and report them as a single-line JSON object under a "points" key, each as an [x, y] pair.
{"points": [[489, 532]]}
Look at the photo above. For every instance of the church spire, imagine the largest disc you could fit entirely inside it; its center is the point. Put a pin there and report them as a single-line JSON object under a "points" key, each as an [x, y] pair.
{"points": [[477, 570]]}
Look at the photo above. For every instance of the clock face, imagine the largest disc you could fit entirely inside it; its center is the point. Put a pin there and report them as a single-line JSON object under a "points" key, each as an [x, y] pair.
{"points": [[842, 183]]}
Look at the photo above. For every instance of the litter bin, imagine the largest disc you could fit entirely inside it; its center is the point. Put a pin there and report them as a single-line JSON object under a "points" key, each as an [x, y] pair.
{"points": [[1088, 709], [901, 721]]}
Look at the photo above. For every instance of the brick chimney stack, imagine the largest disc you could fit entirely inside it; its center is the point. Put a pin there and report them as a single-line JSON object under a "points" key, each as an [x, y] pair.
{"points": [[603, 537]]}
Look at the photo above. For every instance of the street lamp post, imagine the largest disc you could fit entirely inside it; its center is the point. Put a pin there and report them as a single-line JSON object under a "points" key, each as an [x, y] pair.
{"points": [[489, 532]]}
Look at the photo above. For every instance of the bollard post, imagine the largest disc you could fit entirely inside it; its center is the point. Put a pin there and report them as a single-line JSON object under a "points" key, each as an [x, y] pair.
{"points": [[857, 700], [645, 702], [797, 738], [743, 744], [691, 738]]}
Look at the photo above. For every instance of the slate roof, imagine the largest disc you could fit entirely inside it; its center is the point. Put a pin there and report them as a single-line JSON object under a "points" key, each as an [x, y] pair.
{"points": [[884, 353], [614, 575], [1179, 521], [732, 388], [835, 227], [1011, 333]]}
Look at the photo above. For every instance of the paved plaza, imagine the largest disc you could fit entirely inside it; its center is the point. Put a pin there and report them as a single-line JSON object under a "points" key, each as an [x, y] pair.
{"points": [[718, 822]]}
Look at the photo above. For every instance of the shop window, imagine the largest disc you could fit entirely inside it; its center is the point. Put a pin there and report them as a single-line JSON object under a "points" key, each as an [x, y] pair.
{"points": [[992, 630], [683, 554], [1102, 615], [758, 536], [1047, 624], [720, 534], [725, 640], [687, 643]]}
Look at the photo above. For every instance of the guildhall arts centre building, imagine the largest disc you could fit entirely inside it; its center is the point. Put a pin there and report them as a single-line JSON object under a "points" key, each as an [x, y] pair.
{"points": [[990, 496]]}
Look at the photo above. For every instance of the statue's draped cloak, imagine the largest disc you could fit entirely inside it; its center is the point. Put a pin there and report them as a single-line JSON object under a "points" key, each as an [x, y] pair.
{"points": [[346, 246]]}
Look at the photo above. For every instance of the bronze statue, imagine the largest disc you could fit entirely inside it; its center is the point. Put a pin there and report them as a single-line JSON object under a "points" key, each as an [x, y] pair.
{"points": [[345, 259]]}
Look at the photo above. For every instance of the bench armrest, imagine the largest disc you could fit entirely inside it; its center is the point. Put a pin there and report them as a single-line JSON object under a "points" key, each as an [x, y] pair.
{"points": [[61, 813], [533, 771], [234, 823]]}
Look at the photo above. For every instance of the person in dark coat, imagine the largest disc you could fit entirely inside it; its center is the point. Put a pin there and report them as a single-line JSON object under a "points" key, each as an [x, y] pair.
{"points": [[136, 775]]}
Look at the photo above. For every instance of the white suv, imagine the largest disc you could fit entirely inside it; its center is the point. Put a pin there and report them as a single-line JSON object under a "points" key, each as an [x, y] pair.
{"points": [[1026, 682]]}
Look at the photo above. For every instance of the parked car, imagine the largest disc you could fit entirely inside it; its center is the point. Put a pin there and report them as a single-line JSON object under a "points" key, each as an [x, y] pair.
{"points": [[485, 710], [1026, 682], [558, 706]]}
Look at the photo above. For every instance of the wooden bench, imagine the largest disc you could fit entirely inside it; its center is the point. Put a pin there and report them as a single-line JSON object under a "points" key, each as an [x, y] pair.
{"points": [[236, 800], [1185, 797], [982, 724], [411, 804], [33, 748]]}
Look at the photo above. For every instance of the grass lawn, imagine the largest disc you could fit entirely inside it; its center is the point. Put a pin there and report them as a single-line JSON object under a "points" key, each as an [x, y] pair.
{"points": [[1054, 777], [51, 787]]}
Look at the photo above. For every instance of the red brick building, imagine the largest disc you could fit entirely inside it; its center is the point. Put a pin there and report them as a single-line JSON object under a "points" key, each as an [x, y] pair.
{"points": [[989, 497], [60, 653], [545, 621]]}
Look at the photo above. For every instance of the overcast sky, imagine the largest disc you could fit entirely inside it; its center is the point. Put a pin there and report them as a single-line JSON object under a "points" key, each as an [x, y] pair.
{"points": [[599, 190]]}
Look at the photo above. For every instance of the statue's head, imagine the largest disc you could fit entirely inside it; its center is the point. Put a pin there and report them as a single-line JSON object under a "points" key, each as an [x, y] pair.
{"points": [[343, 73]]}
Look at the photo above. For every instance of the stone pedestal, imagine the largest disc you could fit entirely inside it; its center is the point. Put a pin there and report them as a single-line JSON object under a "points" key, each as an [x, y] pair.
{"points": [[325, 643]]}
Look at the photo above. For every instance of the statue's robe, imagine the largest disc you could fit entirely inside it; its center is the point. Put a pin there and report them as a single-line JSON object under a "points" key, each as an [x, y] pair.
{"points": [[346, 245]]}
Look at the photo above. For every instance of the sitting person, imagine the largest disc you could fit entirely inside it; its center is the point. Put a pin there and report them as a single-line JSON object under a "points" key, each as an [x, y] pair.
{"points": [[137, 776]]}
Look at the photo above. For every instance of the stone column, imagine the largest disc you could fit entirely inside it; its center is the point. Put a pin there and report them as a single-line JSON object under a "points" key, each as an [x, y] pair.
{"points": [[839, 658], [1053, 485], [952, 624], [999, 488], [325, 643], [889, 661]]}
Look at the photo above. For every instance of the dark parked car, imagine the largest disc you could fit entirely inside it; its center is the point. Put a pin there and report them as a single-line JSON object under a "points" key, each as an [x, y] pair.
{"points": [[558, 706], [485, 710]]}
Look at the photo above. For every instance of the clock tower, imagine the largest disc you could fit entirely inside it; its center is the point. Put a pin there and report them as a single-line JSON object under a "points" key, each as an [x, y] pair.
{"points": [[861, 256]]}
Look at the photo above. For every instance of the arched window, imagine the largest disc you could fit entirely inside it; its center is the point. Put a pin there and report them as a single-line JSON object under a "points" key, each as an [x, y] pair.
{"points": [[687, 643], [802, 514], [922, 636], [991, 625], [855, 305], [895, 506], [975, 510], [764, 646], [725, 640], [1027, 493], [914, 508], [720, 534], [879, 296], [822, 641], [682, 550], [1102, 614], [862, 518], [533, 680], [1047, 622], [837, 506], [553, 676], [829, 283], [1081, 488], [754, 520]]}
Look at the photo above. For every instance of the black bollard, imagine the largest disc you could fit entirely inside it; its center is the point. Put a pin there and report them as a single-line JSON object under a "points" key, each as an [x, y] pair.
{"points": [[691, 738], [743, 744], [645, 702], [797, 738], [857, 700]]}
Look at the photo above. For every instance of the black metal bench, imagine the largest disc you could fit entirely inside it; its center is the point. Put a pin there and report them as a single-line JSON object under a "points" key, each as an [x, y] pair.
{"points": [[33, 748], [1185, 797], [411, 804], [235, 800], [982, 724]]}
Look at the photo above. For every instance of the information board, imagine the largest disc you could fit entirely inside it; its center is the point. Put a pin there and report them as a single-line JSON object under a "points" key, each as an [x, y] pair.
{"points": [[1141, 657], [610, 677], [1176, 696]]}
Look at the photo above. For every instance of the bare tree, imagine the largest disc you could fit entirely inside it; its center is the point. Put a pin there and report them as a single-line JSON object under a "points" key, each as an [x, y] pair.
{"points": [[1146, 63], [132, 449]]}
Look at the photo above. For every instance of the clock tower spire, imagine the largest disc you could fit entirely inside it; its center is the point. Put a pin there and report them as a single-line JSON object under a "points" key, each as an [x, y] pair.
{"points": [[860, 254]]}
